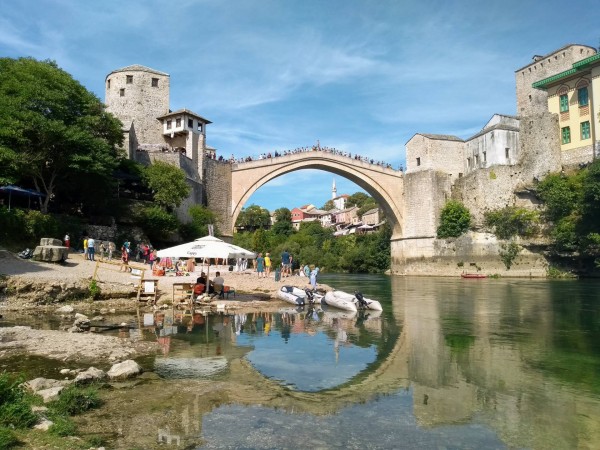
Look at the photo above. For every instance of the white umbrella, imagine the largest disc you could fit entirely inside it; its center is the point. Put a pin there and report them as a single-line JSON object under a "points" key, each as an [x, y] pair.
{"points": [[206, 247]]}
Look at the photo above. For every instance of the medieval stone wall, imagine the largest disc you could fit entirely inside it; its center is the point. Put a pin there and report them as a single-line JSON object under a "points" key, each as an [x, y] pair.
{"points": [[534, 101], [138, 101], [217, 180], [425, 153]]}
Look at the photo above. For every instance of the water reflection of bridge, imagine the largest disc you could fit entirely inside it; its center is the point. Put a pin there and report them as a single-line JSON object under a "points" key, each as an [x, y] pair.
{"points": [[454, 377]]}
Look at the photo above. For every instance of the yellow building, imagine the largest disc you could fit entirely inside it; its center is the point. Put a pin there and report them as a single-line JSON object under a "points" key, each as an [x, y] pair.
{"points": [[571, 96]]}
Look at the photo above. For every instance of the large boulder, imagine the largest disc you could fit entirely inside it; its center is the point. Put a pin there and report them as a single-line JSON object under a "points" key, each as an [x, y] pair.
{"points": [[50, 253], [50, 241], [90, 375], [51, 394], [125, 369], [39, 384]]}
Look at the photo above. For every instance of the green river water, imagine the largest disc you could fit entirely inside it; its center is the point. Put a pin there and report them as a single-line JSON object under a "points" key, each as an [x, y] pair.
{"points": [[448, 364]]}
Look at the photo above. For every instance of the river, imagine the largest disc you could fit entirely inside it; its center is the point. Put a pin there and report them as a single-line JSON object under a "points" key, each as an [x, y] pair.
{"points": [[448, 364]]}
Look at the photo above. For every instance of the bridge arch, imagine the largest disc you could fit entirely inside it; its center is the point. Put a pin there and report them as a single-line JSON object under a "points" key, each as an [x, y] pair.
{"points": [[385, 185]]}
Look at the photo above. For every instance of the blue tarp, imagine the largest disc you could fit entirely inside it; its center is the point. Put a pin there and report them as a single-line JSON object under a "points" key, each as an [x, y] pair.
{"points": [[19, 191]]}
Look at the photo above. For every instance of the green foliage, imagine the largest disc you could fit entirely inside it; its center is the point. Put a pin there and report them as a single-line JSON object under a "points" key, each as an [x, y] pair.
{"points": [[313, 244], [455, 219], [7, 438], [492, 175], [328, 205], [95, 290], [358, 199], [168, 184], [512, 221], [369, 204], [157, 222], [509, 252], [201, 217], [556, 273], [53, 130], [75, 400], [561, 195], [253, 217], [15, 411], [62, 426]]}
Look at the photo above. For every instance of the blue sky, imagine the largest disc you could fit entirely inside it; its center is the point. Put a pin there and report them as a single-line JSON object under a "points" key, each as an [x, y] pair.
{"points": [[360, 76]]}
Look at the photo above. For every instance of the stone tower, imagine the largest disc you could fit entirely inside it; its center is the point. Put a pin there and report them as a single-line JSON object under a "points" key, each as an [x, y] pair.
{"points": [[138, 95], [535, 101]]}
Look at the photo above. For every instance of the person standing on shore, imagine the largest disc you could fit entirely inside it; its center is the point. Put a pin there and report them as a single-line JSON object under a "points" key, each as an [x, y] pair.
{"points": [[285, 264], [124, 259], [260, 265], [67, 240], [152, 258], [111, 249], [91, 248], [85, 248], [267, 265]]}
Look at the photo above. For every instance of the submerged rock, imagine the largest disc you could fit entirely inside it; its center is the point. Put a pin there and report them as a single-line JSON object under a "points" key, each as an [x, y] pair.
{"points": [[125, 369]]}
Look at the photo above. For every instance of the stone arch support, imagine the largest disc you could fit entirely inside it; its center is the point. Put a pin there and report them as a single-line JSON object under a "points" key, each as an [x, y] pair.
{"points": [[383, 184]]}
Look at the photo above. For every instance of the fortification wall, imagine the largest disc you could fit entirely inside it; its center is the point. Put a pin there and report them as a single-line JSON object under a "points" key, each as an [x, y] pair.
{"points": [[139, 101], [217, 180], [472, 252]]}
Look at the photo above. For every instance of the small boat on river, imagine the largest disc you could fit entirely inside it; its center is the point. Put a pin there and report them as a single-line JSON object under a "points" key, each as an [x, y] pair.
{"points": [[297, 296], [473, 275], [350, 302]]}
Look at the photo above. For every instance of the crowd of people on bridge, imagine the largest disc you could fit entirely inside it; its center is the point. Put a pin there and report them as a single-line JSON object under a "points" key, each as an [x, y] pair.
{"points": [[314, 148]]}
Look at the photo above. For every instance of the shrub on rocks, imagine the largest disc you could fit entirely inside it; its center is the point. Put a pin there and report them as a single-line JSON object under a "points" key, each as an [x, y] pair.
{"points": [[15, 411]]}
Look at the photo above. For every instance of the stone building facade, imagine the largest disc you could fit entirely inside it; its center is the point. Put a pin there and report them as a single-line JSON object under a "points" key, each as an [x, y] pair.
{"points": [[139, 97]]}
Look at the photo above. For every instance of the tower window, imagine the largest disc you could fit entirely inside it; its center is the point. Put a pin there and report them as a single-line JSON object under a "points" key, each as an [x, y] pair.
{"points": [[177, 123], [154, 82], [108, 83], [484, 156], [190, 123], [122, 92], [169, 122], [418, 161], [507, 152], [129, 79]]}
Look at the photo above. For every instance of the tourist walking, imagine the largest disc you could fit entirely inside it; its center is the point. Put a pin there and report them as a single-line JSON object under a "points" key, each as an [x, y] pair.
{"points": [[260, 265], [285, 264], [67, 240], [85, 248]]}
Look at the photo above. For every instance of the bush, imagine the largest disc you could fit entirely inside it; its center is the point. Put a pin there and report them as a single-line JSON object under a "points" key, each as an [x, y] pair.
{"points": [[156, 222], [511, 221], [508, 253], [62, 426], [455, 219], [15, 411], [74, 400], [7, 438]]}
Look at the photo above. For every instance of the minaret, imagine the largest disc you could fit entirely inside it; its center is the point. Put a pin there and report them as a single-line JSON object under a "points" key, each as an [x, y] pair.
{"points": [[333, 190]]}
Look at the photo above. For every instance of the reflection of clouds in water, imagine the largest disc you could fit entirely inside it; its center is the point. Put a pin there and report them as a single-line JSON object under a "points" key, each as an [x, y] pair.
{"points": [[307, 362], [388, 422]]}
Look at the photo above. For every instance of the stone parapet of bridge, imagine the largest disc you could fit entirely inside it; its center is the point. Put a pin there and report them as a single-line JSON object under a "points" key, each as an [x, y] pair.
{"points": [[384, 184]]}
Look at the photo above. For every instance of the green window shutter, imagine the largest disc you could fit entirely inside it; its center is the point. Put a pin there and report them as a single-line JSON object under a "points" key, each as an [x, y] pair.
{"points": [[585, 130], [566, 135], [582, 96], [564, 103]]}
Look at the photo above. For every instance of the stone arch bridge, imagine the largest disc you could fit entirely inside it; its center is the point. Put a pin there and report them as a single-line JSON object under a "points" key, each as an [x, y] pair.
{"points": [[385, 185]]}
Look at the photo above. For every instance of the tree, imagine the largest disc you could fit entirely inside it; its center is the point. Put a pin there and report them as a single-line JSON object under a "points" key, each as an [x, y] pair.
{"points": [[511, 221], [283, 222], [358, 199], [329, 205], [168, 184], [253, 217], [198, 227], [455, 219], [52, 129]]}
